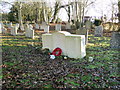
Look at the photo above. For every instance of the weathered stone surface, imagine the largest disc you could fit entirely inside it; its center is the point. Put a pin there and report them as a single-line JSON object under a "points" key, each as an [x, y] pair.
{"points": [[99, 31], [68, 26], [88, 25], [0, 28], [45, 26], [83, 31], [37, 26], [115, 40], [58, 27], [29, 32], [72, 45]]}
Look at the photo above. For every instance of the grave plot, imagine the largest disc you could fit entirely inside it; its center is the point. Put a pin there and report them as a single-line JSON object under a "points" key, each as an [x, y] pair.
{"points": [[32, 67]]}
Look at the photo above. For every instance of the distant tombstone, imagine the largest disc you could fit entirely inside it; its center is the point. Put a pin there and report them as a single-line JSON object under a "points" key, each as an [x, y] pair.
{"points": [[14, 29], [45, 26], [37, 26], [68, 26], [99, 31], [10, 25], [4, 30], [29, 31], [88, 25], [83, 31], [22, 27], [0, 28], [115, 40], [26, 30], [58, 27], [17, 25], [72, 45]]}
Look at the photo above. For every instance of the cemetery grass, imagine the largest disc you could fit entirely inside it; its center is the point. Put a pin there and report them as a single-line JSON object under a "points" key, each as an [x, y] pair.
{"points": [[25, 65]]}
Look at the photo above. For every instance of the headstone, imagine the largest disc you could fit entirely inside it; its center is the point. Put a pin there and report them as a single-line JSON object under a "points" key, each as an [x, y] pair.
{"points": [[72, 46], [115, 40], [83, 31], [99, 31], [0, 28], [17, 25], [68, 26], [22, 27], [29, 31], [88, 25], [4, 30], [14, 29], [26, 30], [45, 26], [10, 25], [58, 27], [42, 25], [37, 26]]}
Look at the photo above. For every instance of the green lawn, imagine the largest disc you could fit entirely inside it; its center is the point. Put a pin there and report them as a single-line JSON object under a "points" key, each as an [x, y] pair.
{"points": [[26, 65]]}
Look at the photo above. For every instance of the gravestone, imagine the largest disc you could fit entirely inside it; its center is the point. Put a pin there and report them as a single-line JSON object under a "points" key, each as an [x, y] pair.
{"points": [[14, 29], [88, 25], [17, 25], [22, 27], [72, 45], [0, 28], [68, 26], [10, 25], [42, 25], [58, 27], [26, 30], [4, 30], [99, 31], [83, 31], [45, 26], [29, 31], [115, 40], [37, 26]]}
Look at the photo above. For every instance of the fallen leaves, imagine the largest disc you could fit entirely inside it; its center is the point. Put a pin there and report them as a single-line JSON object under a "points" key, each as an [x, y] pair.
{"points": [[29, 66]]}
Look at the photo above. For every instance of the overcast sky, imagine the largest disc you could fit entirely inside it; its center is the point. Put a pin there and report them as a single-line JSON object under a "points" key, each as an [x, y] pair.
{"points": [[99, 8]]}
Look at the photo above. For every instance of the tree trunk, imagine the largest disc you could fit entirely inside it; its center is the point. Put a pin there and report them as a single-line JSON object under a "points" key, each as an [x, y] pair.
{"points": [[119, 15], [20, 16]]}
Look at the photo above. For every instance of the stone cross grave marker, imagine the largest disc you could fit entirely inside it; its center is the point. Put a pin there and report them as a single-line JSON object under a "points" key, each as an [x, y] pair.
{"points": [[72, 45]]}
